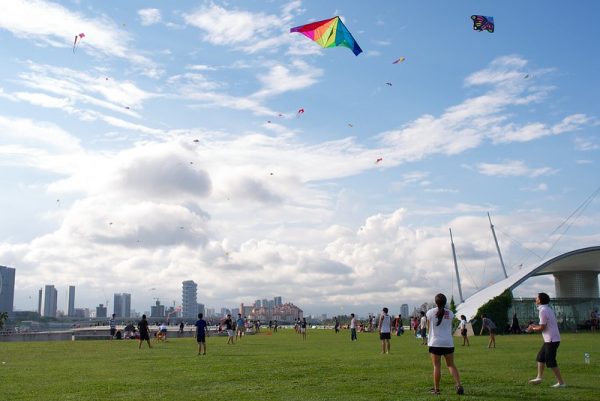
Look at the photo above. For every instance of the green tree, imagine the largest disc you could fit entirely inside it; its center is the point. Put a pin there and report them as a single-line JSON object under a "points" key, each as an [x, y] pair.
{"points": [[497, 310], [3, 318]]}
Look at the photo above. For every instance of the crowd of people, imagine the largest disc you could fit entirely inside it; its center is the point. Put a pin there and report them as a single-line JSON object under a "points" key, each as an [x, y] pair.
{"points": [[434, 327]]}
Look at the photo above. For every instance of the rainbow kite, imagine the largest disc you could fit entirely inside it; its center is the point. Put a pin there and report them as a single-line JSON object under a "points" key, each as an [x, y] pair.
{"points": [[329, 33]]}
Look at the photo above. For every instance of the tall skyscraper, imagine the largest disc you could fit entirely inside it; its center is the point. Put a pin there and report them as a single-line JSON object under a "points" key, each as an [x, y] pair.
{"points": [[71, 308], [7, 289], [50, 298], [189, 301], [277, 301], [404, 311], [40, 292], [122, 305]]}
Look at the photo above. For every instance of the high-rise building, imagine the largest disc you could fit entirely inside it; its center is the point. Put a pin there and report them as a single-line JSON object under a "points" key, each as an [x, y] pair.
{"points": [[40, 292], [71, 307], [50, 298], [7, 289], [122, 305], [189, 299], [404, 311], [101, 310], [265, 303], [257, 303], [201, 308], [157, 310], [277, 301]]}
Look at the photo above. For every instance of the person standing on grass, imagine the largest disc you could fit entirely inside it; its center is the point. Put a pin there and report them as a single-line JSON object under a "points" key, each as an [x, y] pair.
{"points": [[463, 330], [229, 328], [549, 329], [144, 332], [441, 343], [201, 332], [352, 327], [423, 328], [113, 326], [488, 324], [303, 328], [240, 326], [385, 331], [336, 325], [275, 326]]}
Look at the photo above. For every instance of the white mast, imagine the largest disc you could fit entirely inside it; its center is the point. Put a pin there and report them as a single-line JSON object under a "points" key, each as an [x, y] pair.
{"points": [[497, 247], [456, 268]]}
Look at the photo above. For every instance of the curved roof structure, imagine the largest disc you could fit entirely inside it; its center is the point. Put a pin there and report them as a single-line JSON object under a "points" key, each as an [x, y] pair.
{"points": [[585, 259]]}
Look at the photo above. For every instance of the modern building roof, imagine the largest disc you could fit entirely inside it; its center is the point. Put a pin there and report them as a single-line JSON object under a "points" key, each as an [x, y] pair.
{"points": [[585, 259]]}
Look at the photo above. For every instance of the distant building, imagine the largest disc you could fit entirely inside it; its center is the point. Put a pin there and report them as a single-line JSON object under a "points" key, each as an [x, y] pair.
{"points": [[189, 299], [40, 292], [81, 313], [71, 308], [201, 309], [122, 305], [210, 312], [101, 311], [50, 298], [277, 301], [157, 310], [404, 310], [7, 289]]}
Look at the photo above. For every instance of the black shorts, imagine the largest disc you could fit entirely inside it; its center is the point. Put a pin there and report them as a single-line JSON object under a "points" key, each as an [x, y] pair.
{"points": [[144, 336], [112, 332], [385, 336], [441, 350], [201, 338], [463, 332], [423, 332], [547, 354]]}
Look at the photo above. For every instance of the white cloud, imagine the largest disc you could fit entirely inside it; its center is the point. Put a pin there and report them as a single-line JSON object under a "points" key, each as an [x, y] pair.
{"points": [[513, 168], [54, 25], [234, 27], [149, 16], [282, 79], [585, 144]]}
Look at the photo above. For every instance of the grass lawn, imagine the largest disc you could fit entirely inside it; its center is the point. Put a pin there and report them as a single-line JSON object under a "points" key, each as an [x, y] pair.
{"points": [[284, 367]]}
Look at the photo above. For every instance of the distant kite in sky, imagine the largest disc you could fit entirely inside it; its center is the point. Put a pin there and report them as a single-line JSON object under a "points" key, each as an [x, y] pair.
{"points": [[196, 140], [329, 33], [526, 76], [78, 39], [482, 23], [379, 160], [350, 125], [299, 113], [388, 83], [400, 60]]}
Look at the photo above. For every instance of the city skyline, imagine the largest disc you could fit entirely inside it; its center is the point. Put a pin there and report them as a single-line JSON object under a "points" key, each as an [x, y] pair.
{"points": [[207, 142]]}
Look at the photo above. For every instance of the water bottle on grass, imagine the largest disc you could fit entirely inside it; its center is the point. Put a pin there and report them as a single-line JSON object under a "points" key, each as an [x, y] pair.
{"points": [[586, 358]]}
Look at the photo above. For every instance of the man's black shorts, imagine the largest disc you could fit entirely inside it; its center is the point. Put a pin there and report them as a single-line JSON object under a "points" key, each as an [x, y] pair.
{"points": [[547, 354]]}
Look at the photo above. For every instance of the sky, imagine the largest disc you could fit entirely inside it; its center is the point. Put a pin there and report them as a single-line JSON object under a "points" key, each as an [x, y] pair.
{"points": [[166, 145]]}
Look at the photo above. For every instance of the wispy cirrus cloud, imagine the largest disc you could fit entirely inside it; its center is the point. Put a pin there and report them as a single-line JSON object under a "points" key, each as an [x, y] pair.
{"points": [[54, 25], [149, 16], [512, 168]]}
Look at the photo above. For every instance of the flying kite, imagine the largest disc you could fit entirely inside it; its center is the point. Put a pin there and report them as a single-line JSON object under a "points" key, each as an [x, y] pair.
{"points": [[329, 33], [299, 113], [482, 23], [400, 60], [379, 160], [78, 38], [526, 76], [388, 83]]}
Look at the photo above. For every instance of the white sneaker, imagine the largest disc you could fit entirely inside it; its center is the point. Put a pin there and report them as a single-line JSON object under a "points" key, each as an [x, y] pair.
{"points": [[537, 380], [559, 385]]}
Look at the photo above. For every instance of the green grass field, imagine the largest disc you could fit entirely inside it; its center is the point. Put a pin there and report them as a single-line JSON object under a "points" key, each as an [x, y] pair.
{"points": [[284, 367]]}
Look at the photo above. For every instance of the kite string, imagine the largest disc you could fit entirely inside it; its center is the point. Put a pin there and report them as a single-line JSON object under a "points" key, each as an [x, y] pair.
{"points": [[577, 213]]}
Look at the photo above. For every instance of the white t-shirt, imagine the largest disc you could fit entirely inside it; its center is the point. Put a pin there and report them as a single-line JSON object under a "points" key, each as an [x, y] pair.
{"points": [[548, 318], [440, 336], [463, 324], [353, 323], [386, 324], [423, 324]]}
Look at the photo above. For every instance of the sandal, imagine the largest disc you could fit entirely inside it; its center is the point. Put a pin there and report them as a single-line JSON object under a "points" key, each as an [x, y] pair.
{"points": [[460, 390], [434, 391]]}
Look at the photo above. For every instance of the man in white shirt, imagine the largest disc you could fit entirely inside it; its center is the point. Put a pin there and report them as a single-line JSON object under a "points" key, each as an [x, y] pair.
{"points": [[352, 327], [385, 331], [549, 328]]}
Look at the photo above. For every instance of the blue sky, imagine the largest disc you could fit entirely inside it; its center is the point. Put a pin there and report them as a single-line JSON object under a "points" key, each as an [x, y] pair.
{"points": [[167, 148]]}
